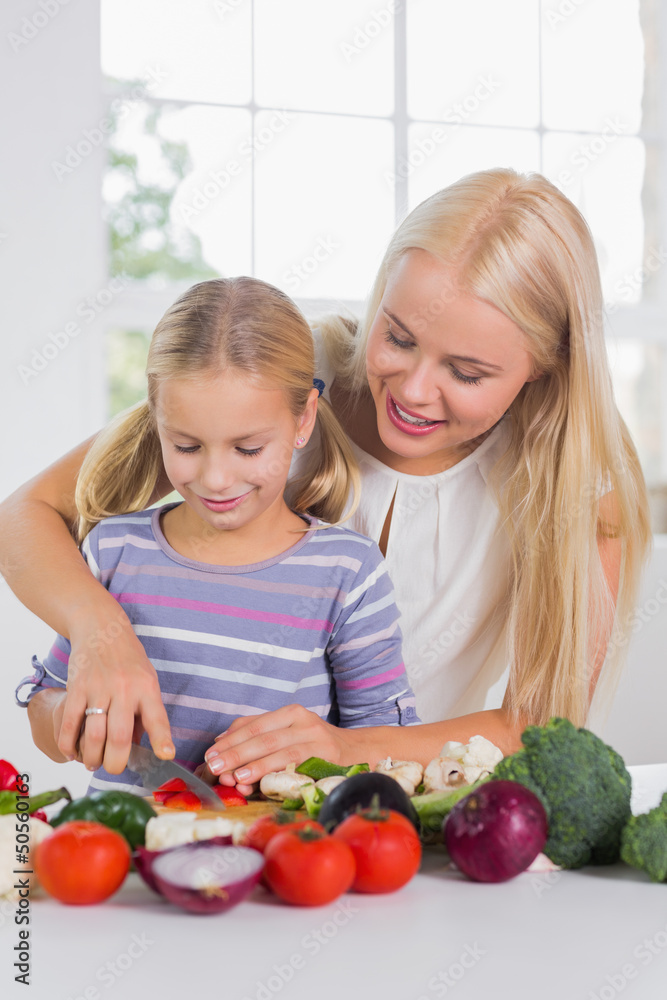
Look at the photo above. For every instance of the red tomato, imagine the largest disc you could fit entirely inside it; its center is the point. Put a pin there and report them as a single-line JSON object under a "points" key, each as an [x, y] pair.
{"points": [[386, 848], [308, 867], [266, 827], [82, 862]]}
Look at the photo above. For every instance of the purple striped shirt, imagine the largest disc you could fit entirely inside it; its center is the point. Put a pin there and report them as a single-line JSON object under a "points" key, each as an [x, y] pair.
{"points": [[315, 625]]}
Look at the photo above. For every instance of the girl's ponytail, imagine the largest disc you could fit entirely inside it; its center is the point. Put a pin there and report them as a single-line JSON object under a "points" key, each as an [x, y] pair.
{"points": [[121, 470], [331, 472]]}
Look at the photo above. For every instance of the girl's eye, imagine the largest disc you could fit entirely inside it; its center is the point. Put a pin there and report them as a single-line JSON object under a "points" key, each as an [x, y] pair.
{"points": [[468, 379], [186, 451], [249, 451], [405, 345]]}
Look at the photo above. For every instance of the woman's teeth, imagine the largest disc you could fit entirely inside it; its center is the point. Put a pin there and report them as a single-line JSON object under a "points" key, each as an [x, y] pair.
{"points": [[412, 420]]}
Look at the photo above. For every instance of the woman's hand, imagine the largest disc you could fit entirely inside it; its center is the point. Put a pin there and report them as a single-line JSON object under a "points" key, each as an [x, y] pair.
{"points": [[108, 668], [254, 745]]}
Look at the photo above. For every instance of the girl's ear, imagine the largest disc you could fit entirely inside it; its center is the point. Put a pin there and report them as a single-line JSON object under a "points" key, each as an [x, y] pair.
{"points": [[535, 376], [308, 417]]}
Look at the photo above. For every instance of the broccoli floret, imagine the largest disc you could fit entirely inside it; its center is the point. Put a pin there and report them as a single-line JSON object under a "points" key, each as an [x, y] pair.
{"points": [[583, 785], [644, 842]]}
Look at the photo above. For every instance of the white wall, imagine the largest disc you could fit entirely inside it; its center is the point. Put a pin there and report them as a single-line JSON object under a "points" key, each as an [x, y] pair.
{"points": [[52, 257]]}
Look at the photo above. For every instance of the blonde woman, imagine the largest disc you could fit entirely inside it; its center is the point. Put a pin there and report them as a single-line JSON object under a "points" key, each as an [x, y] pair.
{"points": [[496, 475], [241, 602]]}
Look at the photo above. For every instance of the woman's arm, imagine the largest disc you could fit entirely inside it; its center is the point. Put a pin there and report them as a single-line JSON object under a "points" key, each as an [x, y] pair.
{"points": [[255, 745], [42, 564]]}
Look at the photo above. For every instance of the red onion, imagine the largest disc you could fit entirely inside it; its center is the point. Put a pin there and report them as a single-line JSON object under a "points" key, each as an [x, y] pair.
{"points": [[206, 878], [143, 859], [496, 832]]}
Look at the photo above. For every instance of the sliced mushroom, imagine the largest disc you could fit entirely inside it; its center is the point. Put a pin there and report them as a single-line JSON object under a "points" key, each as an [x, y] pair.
{"points": [[443, 773], [281, 785], [408, 773]]}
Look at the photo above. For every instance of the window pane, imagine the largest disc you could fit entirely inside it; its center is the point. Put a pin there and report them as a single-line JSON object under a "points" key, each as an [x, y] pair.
{"points": [[480, 55], [325, 57], [638, 375], [592, 65], [440, 155], [178, 193], [324, 208], [197, 51], [604, 177]]}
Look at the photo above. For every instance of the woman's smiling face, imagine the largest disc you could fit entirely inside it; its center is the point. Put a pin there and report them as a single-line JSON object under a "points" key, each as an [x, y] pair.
{"points": [[443, 367]]}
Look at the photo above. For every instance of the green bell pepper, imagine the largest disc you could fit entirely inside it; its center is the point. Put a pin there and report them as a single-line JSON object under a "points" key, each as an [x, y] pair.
{"points": [[122, 811]]}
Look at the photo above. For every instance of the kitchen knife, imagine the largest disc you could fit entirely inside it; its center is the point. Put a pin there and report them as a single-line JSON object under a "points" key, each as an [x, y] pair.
{"points": [[154, 772]]}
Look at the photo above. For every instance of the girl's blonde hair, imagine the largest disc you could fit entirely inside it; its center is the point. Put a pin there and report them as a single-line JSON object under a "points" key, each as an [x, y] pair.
{"points": [[238, 324], [516, 242]]}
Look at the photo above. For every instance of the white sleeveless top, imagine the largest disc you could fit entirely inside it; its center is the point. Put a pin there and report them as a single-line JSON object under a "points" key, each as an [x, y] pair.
{"points": [[449, 561]]}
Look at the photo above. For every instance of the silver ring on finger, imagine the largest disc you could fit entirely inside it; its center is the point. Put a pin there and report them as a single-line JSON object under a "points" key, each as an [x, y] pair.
{"points": [[96, 711]]}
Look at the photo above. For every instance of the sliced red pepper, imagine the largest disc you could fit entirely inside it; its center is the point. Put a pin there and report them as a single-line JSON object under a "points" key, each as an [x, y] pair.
{"points": [[168, 789], [230, 795], [183, 800], [8, 775]]}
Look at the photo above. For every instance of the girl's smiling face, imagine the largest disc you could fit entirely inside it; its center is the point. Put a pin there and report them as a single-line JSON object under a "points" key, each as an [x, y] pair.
{"points": [[227, 446], [442, 366]]}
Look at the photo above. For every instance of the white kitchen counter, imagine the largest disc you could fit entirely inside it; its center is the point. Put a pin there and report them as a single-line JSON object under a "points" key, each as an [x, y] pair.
{"points": [[593, 933]]}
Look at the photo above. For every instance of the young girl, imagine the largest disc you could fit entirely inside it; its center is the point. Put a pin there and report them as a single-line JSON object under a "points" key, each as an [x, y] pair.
{"points": [[242, 603]]}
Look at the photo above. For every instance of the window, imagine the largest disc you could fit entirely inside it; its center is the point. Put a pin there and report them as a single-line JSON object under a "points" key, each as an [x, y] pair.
{"points": [[287, 139]]}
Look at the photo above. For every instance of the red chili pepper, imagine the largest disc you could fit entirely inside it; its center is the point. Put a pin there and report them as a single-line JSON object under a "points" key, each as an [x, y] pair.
{"points": [[8, 775], [40, 814], [230, 795]]}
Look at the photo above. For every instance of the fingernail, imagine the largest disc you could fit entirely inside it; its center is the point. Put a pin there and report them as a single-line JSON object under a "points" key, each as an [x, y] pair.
{"points": [[168, 749], [69, 757], [90, 767], [211, 755], [242, 774], [216, 765]]}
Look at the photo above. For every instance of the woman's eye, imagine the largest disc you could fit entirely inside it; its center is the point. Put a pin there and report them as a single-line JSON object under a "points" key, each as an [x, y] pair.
{"points": [[249, 451], [468, 379], [395, 342], [186, 451]]}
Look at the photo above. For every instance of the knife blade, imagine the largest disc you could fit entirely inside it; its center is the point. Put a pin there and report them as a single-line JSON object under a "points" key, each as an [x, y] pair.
{"points": [[154, 772]]}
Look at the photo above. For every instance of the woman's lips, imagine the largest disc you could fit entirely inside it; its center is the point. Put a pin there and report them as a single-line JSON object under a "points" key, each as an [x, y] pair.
{"points": [[404, 425], [221, 505]]}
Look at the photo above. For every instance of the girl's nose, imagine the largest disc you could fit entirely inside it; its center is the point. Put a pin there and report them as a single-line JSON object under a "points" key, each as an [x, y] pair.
{"points": [[216, 477]]}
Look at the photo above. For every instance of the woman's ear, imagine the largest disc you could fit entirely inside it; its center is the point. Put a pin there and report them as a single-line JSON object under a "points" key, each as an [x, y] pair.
{"points": [[307, 419]]}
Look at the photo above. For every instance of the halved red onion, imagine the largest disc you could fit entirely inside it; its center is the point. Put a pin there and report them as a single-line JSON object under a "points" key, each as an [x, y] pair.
{"points": [[205, 877], [496, 832], [144, 859]]}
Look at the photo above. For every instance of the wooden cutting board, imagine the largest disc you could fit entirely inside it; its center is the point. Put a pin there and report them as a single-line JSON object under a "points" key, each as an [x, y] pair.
{"points": [[246, 814]]}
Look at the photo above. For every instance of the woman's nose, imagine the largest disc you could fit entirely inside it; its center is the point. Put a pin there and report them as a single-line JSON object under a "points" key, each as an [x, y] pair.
{"points": [[419, 384]]}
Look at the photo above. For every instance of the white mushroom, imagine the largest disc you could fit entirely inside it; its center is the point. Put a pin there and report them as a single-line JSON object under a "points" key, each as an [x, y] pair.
{"points": [[461, 763], [328, 784], [281, 785], [408, 773]]}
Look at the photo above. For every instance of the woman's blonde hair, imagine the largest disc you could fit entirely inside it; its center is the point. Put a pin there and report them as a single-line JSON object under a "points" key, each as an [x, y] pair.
{"points": [[516, 242], [229, 324]]}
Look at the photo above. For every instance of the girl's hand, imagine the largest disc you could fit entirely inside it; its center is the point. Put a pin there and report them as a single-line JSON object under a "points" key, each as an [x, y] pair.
{"points": [[108, 668], [257, 744]]}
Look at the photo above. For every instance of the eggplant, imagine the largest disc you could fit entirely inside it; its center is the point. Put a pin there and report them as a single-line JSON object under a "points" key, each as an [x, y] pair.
{"points": [[358, 791]]}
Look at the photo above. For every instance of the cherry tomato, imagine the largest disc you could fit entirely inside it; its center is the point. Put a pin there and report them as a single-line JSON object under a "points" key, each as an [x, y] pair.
{"points": [[308, 867], [387, 850], [82, 862], [266, 827]]}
